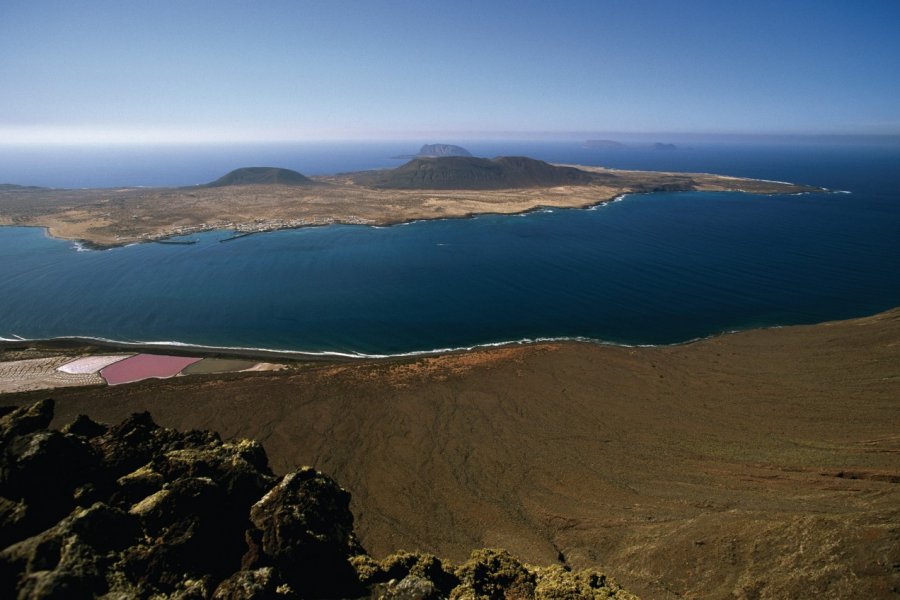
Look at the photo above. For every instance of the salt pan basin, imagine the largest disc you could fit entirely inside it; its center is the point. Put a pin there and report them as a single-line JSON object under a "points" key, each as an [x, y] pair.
{"points": [[91, 364], [145, 366], [41, 374]]}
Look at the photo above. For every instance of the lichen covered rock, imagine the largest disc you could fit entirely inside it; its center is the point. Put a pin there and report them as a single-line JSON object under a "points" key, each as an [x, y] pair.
{"points": [[135, 510]]}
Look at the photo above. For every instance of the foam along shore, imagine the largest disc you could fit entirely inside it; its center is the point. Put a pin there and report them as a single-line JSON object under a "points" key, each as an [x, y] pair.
{"points": [[102, 218]]}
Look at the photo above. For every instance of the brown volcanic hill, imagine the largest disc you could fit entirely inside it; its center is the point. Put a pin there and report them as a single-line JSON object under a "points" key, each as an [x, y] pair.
{"points": [[471, 173], [261, 176], [762, 464]]}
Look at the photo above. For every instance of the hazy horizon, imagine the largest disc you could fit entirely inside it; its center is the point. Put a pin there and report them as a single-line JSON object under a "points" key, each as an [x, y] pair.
{"points": [[413, 140], [231, 72]]}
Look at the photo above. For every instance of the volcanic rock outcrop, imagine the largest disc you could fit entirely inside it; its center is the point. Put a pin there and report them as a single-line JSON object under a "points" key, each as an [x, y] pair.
{"points": [[139, 511]]}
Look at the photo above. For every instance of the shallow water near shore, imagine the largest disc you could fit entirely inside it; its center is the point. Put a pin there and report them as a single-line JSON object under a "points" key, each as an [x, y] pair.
{"points": [[650, 269]]}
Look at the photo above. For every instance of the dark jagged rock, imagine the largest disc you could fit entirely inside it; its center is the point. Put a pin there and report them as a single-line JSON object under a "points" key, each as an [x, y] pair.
{"points": [[304, 528], [259, 584], [45, 465], [470, 173], [192, 535], [188, 494], [137, 511], [132, 443], [13, 521], [85, 427], [70, 559], [26, 419], [261, 176], [42, 470]]}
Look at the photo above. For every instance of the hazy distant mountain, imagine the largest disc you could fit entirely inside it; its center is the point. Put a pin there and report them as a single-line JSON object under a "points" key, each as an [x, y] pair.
{"points": [[435, 150], [14, 187], [470, 173], [602, 145], [661, 146], [261, 176]]}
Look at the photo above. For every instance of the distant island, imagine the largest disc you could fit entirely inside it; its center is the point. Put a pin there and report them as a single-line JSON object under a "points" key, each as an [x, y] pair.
{"points": [[256, 199], [437, 151], [614, 145]]}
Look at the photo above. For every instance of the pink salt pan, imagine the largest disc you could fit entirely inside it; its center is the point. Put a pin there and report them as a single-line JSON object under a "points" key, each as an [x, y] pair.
{"points": [[145, 366]]}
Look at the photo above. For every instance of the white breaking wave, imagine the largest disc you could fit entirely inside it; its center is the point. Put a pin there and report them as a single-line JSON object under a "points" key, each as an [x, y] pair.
{"points": [[603, 203], [361, 355], [772, 181]]}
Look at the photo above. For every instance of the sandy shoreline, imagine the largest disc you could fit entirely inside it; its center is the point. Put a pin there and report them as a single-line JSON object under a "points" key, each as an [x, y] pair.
{"points": [[88, 345], [87, 244]]}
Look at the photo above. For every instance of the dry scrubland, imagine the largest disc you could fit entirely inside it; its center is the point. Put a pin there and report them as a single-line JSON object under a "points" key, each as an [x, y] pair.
{"points": [[763, 464], [109, 217]]}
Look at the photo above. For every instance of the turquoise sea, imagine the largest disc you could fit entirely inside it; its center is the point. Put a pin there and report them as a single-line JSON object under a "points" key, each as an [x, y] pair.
{"points": [[649, 269]]}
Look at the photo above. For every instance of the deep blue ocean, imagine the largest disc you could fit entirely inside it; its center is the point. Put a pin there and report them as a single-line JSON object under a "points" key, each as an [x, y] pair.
{"points": [[649, 269]]}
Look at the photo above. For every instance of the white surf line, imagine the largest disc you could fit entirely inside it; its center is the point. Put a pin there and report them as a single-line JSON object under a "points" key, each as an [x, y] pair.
{"points": [[362, 355]]}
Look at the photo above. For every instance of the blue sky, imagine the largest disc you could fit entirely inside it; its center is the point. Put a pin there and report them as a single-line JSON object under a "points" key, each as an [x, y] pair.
{"points": [[216, 70]]}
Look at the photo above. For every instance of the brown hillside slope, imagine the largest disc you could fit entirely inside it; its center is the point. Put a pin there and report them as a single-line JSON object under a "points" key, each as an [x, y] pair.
{"points": [[763, 464]]}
